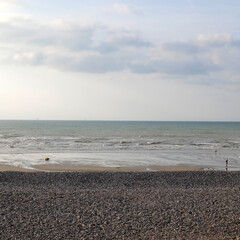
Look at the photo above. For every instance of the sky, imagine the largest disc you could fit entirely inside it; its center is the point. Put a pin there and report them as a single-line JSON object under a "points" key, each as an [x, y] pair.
{"points": [[160, 60]]}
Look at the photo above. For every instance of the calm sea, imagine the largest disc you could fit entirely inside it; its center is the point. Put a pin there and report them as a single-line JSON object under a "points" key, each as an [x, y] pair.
{"points": [[120, 143]]}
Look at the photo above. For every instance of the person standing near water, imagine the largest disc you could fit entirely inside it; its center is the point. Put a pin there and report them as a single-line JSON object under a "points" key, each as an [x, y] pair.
{"points": [[226, 164]]}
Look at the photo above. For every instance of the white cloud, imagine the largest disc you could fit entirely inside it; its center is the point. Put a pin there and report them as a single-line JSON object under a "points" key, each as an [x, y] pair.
{"points": [[68, 46], [11, 8], [7, 4], [121, 8], [214, 40], [71, 46]]}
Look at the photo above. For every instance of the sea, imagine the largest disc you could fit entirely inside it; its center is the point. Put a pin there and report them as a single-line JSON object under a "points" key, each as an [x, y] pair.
{"points": [[120, 143]]}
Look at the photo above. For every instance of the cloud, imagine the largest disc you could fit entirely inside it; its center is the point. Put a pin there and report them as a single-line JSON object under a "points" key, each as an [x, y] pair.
{"points": [[29, 33], [216, 40], [121, 8], [68, 46], [95, 48], [201, 43], [184, 47], [67, 35], [218, 51], [177, 67], [8, 4], [119, 39]]}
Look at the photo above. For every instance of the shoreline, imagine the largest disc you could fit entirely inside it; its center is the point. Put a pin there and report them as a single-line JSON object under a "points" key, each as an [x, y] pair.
{"points": [[88, 168], [10, 168]]}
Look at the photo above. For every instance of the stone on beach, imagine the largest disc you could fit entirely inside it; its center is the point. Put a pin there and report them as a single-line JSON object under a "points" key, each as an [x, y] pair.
{"points": [[114, 205]]}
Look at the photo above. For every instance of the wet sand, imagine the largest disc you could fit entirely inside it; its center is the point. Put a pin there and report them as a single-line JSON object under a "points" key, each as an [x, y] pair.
{"points": [[7, 168], [58, 167], [54, 167], [120, 205]]}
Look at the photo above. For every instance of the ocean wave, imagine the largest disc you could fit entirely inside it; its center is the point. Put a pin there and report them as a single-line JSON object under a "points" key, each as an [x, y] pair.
{"points": [[125, 142], [152, 143], [83, 141], [10, 135]]}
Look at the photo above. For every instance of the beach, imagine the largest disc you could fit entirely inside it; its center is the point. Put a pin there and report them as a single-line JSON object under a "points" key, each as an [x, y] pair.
{"points": [[119, 180], [120, 205], [119, 144], [71, 168]]}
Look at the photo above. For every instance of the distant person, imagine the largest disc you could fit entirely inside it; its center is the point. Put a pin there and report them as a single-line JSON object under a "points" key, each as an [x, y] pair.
{"points": [[215, 152], [226, 164]]}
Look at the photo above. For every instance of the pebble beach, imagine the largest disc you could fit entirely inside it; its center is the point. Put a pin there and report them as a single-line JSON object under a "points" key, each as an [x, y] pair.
{"points": [[120, 205]]}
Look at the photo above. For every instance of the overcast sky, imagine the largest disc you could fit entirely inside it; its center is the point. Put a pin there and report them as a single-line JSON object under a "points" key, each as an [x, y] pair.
{"points": [[176, 60]]}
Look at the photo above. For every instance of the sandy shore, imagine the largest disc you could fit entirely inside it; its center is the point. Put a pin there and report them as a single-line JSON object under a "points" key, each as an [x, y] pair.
{"points": [[120, 205], [55, 167], [7, 168]]}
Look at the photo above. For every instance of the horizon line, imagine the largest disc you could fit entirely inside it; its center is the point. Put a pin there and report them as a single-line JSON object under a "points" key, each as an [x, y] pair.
{"points": [[105, 120]]}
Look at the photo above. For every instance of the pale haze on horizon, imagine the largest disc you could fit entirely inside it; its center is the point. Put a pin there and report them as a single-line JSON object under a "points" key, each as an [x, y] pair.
{"points": [[165, 60]]}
